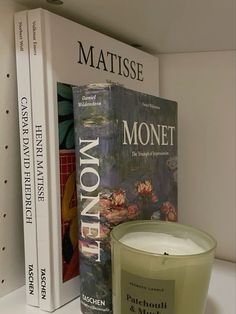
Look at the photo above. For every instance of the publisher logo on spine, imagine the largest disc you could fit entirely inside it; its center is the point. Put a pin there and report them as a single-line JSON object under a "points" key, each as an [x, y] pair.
{"points": [[43, 284]]}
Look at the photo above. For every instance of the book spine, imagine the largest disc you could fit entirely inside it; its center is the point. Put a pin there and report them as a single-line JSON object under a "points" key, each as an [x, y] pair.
{"points": [[95, 260], [40, 140], [27, 158]]}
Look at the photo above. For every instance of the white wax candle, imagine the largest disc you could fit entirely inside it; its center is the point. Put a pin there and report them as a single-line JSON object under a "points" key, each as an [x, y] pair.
{"points": [[161, 243]]}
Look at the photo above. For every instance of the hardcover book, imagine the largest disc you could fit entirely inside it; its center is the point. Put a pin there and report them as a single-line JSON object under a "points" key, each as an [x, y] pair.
{"points": [[63, 54], [27, 159], [126, 152]]}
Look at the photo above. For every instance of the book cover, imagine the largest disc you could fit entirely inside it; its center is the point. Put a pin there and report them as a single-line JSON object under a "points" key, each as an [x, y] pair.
{"points": [[126, 152], [27, 159], [63, 54]]}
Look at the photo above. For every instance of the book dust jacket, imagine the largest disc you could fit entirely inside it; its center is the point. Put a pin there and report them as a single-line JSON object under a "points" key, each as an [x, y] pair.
{"points": [[126, 160], [69, 217]]}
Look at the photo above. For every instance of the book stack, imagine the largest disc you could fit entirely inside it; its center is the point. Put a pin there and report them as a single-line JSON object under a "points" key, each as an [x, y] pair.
{"points": [[54, 54]]}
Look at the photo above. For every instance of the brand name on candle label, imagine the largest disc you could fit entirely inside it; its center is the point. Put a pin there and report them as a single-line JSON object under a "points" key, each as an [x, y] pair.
{"points": [[146, 296]]}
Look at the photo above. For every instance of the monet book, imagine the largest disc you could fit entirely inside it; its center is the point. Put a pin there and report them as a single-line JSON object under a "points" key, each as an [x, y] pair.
{"points": [[126, 164]]}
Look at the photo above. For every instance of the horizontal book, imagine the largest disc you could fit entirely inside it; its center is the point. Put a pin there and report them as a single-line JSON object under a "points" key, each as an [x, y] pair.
{"points": [[126, 152]]}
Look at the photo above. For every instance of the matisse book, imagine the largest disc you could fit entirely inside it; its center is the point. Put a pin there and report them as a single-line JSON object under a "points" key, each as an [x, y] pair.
{"points": [[126, 164], [62, 54]]}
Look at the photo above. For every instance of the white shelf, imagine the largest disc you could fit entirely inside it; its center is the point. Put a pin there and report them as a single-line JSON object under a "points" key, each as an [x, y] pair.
{"points": [[221, 296], [222, 290], [157, 26]]}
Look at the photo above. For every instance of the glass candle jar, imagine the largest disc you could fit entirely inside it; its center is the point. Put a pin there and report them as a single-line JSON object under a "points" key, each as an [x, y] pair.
{"points": [[160, 268]]}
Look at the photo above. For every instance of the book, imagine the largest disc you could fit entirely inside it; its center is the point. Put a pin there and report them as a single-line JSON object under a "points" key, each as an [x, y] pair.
{"points": [[27, 159], [126, 152], [63, 54]]}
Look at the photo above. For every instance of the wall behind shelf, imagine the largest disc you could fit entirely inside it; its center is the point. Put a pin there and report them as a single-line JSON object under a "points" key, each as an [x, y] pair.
{"points": [[204, 84], [11, 230]]}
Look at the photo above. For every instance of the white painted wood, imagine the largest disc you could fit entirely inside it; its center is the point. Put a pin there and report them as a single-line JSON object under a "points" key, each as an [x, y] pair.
{"points": [[204, 86], [158, 26], [219, 300], [11, 232], [222, 289]]}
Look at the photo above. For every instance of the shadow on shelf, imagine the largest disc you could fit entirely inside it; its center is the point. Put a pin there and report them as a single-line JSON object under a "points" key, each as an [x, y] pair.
{"points": [[212, 307]]}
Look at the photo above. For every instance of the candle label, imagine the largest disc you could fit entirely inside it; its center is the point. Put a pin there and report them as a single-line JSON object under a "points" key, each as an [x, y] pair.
{"points": [[142, 295]]}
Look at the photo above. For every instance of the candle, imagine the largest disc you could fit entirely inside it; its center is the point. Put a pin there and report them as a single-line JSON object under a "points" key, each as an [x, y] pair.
{"points": [[161, 243], [160, 268]]}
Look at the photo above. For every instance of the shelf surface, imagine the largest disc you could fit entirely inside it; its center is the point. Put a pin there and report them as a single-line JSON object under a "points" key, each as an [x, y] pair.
{"points": [[221, 296], [157, 26]]}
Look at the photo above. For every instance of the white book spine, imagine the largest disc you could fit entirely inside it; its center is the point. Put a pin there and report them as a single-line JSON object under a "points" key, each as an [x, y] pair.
{"points": [[38, 86], [27, 157]]}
